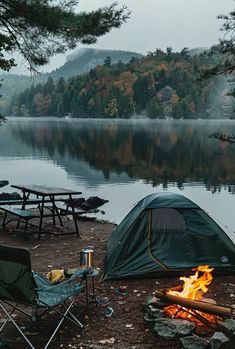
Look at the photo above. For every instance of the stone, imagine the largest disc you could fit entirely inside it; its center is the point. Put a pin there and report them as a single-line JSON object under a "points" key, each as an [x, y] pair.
{"points": [[147, 318], [107, 341], [194, 342], [217, 340], [155, 312], [150, 300], [229, 344], [3, 183], [173, 328], [10, 196], [229, 324], [152, 317]]}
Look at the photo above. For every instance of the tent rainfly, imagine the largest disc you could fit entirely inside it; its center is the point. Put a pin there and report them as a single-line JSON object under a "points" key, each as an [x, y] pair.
{"points": [[166, 232]]}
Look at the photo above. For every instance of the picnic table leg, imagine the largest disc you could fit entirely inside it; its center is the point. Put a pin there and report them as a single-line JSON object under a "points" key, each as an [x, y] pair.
{"points": [[55, 211], [4, 220], [25, 198], [41, 218], [74, 215]]}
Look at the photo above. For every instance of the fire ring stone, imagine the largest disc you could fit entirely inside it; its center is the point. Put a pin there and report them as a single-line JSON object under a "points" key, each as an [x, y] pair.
{"points": [[194, 342], [173, 328]]}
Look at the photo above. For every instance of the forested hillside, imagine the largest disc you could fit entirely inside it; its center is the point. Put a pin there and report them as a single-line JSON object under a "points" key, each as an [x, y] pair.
{"points": [[85, 59], [160, 85], [80, 62]]}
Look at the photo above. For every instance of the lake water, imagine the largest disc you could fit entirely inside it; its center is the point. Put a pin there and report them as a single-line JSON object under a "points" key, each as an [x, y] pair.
{"points": [[124, 160]]}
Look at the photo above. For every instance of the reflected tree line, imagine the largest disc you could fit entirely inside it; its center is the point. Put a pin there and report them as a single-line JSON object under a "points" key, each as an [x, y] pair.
{"points": [[157, 154]]}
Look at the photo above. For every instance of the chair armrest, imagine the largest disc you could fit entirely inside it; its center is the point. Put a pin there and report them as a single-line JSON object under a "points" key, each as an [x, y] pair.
{"points": [[80, 273]]}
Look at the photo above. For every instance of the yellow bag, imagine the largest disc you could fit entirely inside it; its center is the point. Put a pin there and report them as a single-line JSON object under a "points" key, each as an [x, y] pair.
{"points": [[56, 276]]}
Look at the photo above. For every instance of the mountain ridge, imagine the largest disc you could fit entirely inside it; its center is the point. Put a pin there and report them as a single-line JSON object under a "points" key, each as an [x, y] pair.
{"points": [[85, 59], [80, 62]]}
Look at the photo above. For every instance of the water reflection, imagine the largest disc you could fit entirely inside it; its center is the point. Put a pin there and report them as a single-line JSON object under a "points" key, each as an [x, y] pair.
{"points": [[160, 152]]}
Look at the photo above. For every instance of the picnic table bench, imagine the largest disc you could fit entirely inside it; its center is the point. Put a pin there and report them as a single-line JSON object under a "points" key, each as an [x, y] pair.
{"points": [[45, 197], [59, 201], [28, 202], [66, 210], [24, 214]]}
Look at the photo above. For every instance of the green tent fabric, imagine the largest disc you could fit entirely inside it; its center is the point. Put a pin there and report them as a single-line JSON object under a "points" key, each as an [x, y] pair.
{"points": [[166, 232]]}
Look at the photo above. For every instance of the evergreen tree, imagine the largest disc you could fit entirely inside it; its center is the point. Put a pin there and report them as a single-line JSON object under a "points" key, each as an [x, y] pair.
{"points": [[39, 29], [224, 51], [155, 87], [108, 61]]}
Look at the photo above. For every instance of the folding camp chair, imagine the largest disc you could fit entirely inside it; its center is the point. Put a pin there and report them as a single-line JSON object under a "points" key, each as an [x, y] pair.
{"points": [[19, 286]]}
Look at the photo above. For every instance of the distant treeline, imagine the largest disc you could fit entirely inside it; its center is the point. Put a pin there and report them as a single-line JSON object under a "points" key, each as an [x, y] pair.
{"points": [[160, 85]]}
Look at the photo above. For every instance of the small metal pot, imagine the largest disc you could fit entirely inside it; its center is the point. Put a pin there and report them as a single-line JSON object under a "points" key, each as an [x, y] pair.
{"points": [[86, 257]]}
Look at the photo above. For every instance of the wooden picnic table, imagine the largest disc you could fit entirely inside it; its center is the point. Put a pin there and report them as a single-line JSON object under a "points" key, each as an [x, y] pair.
{"points": [[50, 195]]}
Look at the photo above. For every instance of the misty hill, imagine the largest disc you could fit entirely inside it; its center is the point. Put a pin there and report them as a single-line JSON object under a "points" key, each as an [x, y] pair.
{"points": [[159, 85], [78, 63], [12, 84], [197, 51], [87, 58]]}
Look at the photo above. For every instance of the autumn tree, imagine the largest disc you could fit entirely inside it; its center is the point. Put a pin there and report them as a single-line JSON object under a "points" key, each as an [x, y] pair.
{"points": [[151, 86], [154, 109], [39, 29]]}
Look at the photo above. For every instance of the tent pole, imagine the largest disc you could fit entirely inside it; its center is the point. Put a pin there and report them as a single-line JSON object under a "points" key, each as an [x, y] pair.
{"points": [[149, 242]]}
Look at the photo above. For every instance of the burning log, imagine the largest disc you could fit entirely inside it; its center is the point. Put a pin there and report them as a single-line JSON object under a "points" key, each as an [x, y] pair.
{"points": [[197, 305]]}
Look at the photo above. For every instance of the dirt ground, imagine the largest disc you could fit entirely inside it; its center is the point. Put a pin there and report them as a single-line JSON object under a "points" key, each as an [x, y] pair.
{"points": [[126, 328]]}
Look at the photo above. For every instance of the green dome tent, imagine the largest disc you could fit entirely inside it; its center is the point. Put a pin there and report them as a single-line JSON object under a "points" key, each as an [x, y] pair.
{"points": [[166, 232]]}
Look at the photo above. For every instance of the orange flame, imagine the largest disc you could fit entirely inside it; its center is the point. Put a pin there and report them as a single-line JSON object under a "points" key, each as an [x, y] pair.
{"points": [[194, 287]]}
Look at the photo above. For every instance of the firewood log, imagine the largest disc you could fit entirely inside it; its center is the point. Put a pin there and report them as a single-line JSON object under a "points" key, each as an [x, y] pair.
{"points": [[197, 305]]}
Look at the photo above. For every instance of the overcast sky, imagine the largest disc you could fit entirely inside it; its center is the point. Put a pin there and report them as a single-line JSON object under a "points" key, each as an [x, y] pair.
{"points": [[159, 24]]}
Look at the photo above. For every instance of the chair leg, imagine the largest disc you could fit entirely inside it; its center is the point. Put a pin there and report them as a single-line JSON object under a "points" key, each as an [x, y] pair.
{"points": [[59, 324], [64, 315], [76, 320], [6, 321], [17, 327], [67, 314]]}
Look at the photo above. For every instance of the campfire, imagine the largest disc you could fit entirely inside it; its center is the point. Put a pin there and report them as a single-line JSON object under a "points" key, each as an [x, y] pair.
{"points": [[187, 300], [184, 313]]}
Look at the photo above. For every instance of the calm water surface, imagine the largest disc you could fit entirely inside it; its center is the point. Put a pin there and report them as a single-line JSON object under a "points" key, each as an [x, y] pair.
{"points": [[123, 161]]}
